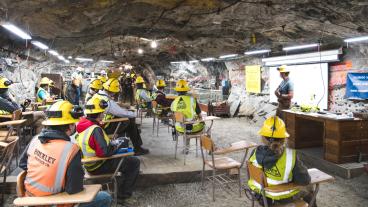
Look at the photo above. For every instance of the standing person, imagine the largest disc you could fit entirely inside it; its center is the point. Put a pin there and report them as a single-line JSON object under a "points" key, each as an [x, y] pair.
{"points": [[93, 141], [53, 162], [43, 94], [279, 163], [160, 97], [94, 87], [110, 89], [284, 92], [73, 90], [127, 87]]}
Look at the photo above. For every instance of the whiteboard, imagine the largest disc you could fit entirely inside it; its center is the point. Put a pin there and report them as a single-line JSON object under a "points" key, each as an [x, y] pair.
{"points": [[309, 80]]}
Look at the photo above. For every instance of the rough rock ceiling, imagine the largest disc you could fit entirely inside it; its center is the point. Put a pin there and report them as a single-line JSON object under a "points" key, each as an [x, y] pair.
{"points": [[184, 28]]}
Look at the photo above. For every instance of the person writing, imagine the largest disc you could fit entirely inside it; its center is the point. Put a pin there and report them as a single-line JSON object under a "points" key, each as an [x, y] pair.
{"points": [[284, 92]]}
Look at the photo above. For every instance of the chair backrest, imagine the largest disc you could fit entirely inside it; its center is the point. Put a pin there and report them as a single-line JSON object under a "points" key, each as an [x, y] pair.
{"points": [[21, 191], [207, 143], [154, 104], [256, 174], [7, 155], [17, 115], [179, 117]]}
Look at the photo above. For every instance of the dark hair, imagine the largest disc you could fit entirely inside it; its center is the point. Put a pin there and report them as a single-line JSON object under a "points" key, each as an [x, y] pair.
{"points": [[43, 85], [139, 85], [62, 128], [3, 90], [93, 116], [180, 93], [160, 88]]}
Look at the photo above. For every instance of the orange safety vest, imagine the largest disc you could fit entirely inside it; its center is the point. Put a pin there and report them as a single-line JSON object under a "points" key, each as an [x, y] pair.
{"points": [[47, 165]]}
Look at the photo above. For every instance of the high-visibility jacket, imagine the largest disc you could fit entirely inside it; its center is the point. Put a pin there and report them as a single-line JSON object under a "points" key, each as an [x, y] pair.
{"points": [[47, 166], [279, 174], [38, 94], [3, 112], [139, 99], [186, 105], [83, 142]]}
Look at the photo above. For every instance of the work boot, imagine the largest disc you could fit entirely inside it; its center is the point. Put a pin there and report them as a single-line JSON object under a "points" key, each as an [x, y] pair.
{"points": [[140, 151], [127, 201]]}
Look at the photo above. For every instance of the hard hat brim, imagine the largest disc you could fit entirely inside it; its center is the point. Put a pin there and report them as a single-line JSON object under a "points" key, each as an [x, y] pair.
{"points": [[59, 122], [181, 89]]}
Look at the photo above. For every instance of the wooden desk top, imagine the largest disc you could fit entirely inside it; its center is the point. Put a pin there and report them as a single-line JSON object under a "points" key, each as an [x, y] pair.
{"points": [[87, 195], [94, 159], [115, 120], [235, 147], [9, 116], [6, 116], [13, 123], [321, 117], [204, 119]]}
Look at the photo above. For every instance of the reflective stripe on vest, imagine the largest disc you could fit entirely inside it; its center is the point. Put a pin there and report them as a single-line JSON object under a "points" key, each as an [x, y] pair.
{"points": [[281, 173], [138, 98], [47, 165], [3, 112]]}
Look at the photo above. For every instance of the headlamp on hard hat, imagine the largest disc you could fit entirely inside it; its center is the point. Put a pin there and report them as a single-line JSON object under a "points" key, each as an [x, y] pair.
{"points": [[77, 112]]}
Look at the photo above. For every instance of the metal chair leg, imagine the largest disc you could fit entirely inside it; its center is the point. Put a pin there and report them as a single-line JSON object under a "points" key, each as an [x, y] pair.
{"points": [[153, 124], [203, 169], [158, 125], [186, 148], [213, 184], [176, 144], [115, 192], [239, 182]]}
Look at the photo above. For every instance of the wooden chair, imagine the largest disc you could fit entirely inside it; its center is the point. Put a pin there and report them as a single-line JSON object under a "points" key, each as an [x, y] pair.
{"points": [[87, 195], [5, 162], [222, 163], [258, 175], [111, 177], [157, 117]]}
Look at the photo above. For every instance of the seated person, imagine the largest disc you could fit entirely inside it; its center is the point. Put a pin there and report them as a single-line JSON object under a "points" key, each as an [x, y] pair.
{"points": [[53, 162], [187, 105], [94, 87], [8, 105], [93, 141], [160, 97], [110, 89], [43, 94], [279, 163], [142, 96]]}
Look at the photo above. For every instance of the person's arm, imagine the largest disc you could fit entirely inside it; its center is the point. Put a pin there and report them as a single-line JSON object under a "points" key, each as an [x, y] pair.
{"points": [[114, 109], [161, 99], [145, 96], [43, 95], [8, 106], [99, 144], [74, 175], [300, 173]]}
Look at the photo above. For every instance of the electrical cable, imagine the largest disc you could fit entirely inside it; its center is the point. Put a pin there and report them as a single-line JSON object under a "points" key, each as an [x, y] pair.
{"points": [[320, 64]]}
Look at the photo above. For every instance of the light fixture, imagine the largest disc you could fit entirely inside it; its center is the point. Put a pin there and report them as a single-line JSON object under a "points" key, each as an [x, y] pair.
{"points": [[356, 39], [66, 61], [140, 51], [194, 61], [84, 59], [207, 59], [228, 56], [60, 57], [154, 44], [40, 45], [254, 52], [20, 33], [315, 57], [298, 47], [70, 57], [177, 62], [106, 61], [53, 52]]}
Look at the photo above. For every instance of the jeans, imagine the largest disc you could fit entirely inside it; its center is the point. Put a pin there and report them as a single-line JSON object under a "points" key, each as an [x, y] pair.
{"points": [[102, 199]]}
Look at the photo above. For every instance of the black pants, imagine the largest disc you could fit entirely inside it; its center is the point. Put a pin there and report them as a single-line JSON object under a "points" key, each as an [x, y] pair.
{"points": [[129, 170], [130, 128]]}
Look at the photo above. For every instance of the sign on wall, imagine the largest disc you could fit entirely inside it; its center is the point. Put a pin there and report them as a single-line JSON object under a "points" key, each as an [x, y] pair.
{"points": [[253, 78], [357, 86]]}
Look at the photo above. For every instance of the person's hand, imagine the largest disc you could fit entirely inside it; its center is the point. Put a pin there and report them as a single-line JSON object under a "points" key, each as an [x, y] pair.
{"points": [[277, 93]]}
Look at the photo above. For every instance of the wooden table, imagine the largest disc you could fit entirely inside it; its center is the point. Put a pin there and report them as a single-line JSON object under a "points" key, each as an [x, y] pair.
{"points": [[9, 116], [236, 147], [342, 139], [87, 195]]}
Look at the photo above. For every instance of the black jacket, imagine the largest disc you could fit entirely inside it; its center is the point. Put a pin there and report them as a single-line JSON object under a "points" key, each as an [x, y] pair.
{"points": [[268, 159], [7, 104], [74, 173]]}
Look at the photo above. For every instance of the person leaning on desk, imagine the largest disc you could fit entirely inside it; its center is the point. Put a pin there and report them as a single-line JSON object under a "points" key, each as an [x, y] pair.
{"points": [[52, 162], [279, 163]]}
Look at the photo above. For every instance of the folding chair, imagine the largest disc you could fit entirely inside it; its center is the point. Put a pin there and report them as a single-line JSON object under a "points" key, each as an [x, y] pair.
{"points": [[157, 117], [87, 195]]}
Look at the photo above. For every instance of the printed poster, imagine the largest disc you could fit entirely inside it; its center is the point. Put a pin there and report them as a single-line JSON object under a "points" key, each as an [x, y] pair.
{"points": [[253, 78]]}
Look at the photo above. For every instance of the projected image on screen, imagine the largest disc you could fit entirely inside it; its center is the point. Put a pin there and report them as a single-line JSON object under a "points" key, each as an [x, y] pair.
{"points": [[310, 84]]}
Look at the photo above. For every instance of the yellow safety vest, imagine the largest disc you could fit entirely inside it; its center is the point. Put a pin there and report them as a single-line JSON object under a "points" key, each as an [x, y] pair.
{"points": [[138, 98], [83, 142], [3, 112], [279, 174], [186, 105], [39, 100]]}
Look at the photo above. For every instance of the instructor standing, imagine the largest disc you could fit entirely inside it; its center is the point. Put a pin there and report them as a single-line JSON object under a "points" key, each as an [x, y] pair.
{"points": [[284, 92]]}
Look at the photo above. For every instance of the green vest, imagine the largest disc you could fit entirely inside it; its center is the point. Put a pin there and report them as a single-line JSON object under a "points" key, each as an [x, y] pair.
{"points": [[138, 98], [186, 105], [83, 142], [279, 174], [39, 100]]}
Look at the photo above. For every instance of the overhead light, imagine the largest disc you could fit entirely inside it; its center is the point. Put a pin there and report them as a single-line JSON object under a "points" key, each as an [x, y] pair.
{"points": [[315, 57], [177, 62], [106, 61], [20, 33], [84, 59], [66, 61], [40, 45], [300, 47], [154, 44], [194, 61], [60, 57], [228, 56], [70, 57], [254, 52], [140, 51], [356, 39], [53, 52], [207, 59]]}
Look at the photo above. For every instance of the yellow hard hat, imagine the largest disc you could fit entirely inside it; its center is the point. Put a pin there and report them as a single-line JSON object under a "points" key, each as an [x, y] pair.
{"points": [[95, 105], [96, 84], [139, 79], [102, 78], [5, 83], [274, 127], [160, 83], [182, 86], [62, 113], [112, 85], [283, 69], [45, 81]]}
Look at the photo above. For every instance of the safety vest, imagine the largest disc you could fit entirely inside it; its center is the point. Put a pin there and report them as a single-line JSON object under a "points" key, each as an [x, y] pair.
{"points": [[39, 100], [186, 105], [47, 166], [3, 112], [83, 142], [279, 174], [138, 98]]}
